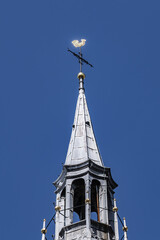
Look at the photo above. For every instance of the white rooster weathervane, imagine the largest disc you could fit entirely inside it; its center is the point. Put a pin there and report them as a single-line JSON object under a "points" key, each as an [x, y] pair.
{"points": [[77, 44]]}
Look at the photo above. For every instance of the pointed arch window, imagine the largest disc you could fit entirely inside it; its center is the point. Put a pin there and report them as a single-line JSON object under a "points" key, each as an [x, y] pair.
{"points": [[78, 189], [95, 211]]}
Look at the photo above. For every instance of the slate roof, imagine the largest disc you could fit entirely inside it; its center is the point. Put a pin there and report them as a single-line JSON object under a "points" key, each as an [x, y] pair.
{"points": [[82, 146]]}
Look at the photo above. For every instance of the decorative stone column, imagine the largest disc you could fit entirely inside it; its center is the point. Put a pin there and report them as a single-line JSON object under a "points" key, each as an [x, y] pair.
{"points": [[57, 209], [68, 204], [103, 203], [88, 202], [116, 231]]}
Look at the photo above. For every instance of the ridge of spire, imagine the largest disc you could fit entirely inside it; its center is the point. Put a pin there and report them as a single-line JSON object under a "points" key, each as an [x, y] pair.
{"points": [[82, 146]]}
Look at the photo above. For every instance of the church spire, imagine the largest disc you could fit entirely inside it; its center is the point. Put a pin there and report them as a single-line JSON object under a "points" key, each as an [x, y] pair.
{"points": [[82, 146], [85, 188], [85, 205]]}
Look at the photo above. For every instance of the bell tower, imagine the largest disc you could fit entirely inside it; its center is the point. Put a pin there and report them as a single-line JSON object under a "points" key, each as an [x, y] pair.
{"points": [[85, 187], [85, 205]]}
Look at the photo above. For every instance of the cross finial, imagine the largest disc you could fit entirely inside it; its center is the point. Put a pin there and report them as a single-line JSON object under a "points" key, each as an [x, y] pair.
{"points": [[81, 75]]}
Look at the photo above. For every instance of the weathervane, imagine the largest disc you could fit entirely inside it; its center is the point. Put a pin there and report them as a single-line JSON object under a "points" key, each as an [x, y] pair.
{"points": [[76, 44]]}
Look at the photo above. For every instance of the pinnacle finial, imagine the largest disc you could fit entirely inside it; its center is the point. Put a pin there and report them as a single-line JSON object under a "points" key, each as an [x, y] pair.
{"points": [[44, 230], [81, 77], [115, 209], [116, 230], [125, 229]]}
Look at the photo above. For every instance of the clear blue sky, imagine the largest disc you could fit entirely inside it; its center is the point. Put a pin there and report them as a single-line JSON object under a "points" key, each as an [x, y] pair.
{"points": [[38, 94]]}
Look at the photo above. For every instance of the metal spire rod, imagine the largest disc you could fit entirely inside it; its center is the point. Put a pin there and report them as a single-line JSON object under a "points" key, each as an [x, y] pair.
{"points": [[80, 60]]}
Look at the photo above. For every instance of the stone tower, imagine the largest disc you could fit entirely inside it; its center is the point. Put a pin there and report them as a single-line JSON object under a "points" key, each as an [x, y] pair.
{"points": [[85, 204]]}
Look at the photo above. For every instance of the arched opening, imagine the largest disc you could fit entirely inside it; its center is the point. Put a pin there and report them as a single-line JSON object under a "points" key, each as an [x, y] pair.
{"points": [[75, 217], [94, 216], [63, 193], [95, 213], [78, 187]]}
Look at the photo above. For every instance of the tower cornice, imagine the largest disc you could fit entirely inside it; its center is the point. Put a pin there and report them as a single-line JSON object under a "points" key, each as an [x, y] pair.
{"points": [[80, 170]]}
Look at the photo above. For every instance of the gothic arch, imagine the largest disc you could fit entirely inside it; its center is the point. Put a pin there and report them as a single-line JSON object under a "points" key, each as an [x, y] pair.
{"points": [[78, 191], [95, 213]]}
